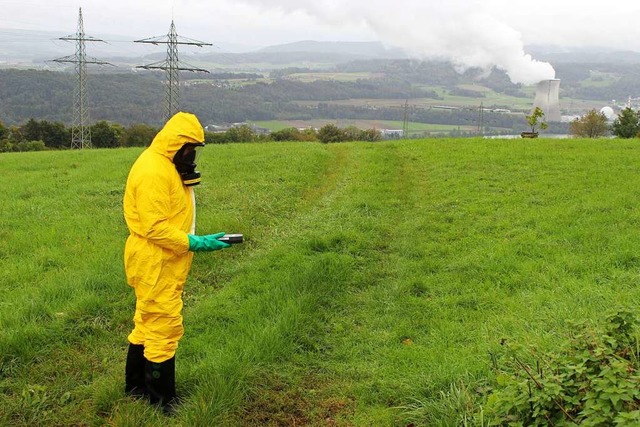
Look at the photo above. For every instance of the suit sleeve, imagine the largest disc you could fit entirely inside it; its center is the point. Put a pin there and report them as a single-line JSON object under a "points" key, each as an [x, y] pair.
{"points": [[154, 204]]}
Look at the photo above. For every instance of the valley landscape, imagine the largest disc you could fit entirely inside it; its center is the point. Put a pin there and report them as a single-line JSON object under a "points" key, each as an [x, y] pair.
{"points": [[408, 258]]}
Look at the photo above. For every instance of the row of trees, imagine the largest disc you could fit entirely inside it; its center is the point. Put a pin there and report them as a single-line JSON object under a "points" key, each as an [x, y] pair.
{"points": [[594, 124], [326, 134], [40, 135]]}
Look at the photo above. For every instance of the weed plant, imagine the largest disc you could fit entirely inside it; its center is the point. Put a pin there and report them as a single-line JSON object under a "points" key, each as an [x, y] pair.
{"points": [[591, 381], [374, 284]]}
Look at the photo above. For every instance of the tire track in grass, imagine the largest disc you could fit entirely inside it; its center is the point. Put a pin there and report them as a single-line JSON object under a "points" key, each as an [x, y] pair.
{"points": [[358, 223], [414, 325], [366, 321], [372, 350]]}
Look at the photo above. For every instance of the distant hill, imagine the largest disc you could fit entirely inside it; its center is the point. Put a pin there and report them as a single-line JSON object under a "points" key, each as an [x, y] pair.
{"points": [[29, 48], [23, 46], [310, 54], [369, 50]]}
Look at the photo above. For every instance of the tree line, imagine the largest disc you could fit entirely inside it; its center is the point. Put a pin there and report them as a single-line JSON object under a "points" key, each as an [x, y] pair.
{"points": [[595, 124], [37, 135], [40, 135], [44, 134]]}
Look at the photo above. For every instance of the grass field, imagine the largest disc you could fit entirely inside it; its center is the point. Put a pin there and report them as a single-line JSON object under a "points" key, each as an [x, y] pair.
{"points": [[491, 99], [375, 280], [415, 128], [600, 79]]}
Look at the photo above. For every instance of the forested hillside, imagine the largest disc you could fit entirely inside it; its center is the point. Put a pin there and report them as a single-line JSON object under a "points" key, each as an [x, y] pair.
{"points": [[127, 98], [137, 98], [48, 95]]}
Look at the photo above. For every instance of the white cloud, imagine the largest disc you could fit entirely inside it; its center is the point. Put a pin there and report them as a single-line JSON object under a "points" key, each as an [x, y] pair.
{"points": [[460, 31]]}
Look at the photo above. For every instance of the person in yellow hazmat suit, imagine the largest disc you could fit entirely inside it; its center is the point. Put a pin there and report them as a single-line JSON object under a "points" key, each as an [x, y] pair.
{"points": [[159, 208]]}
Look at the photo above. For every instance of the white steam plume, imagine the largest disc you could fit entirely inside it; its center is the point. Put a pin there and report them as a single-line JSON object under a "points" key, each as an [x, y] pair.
{"points": [[455, 30]]}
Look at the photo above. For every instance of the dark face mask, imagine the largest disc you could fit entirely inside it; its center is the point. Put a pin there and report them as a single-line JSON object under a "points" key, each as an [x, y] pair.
{"points": [[185, 162]]}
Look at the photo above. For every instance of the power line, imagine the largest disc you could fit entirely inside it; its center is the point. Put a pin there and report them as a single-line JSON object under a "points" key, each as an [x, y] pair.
{"points": [[172, 66], [80, 130]]}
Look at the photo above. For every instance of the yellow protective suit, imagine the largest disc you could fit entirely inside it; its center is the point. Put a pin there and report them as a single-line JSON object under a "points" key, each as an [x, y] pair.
{"points": [[159, 211]]}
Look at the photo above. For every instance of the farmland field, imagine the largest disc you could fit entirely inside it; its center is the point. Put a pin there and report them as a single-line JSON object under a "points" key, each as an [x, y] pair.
{"points": [[415, 128], [490, 99], [374, 284]]}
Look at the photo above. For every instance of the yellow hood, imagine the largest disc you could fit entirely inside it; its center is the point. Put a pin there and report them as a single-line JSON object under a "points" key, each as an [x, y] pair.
{"points": [[181, 129]]}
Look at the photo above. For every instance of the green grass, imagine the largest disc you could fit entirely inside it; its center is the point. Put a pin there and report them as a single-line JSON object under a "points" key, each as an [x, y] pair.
{"points": [[475, 88], [272, 125], [491, 99], [374, 283], [415, 128], [600, 79]]}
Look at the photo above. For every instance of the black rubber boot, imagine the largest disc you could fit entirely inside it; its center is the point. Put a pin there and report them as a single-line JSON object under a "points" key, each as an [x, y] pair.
{"points": [[134, 371], [160, 379]]}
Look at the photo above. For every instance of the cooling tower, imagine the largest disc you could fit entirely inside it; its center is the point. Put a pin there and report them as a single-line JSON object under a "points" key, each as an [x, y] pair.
{"points": [[547, 98]]}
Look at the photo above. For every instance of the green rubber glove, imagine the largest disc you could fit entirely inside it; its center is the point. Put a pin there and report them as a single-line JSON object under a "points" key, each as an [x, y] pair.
{"points": [[206, 243]]}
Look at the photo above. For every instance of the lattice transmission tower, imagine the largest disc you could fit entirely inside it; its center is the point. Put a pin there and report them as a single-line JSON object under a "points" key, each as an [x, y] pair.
{"points": [[480, 120], [172, 66], [405, 120], [80, 130]]}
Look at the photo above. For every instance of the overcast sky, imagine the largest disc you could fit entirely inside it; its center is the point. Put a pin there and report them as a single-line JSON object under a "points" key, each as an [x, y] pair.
{"points": [[468, 32]]}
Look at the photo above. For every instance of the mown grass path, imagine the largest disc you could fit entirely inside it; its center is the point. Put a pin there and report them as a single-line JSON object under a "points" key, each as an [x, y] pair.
{"points": [[375, 282]]}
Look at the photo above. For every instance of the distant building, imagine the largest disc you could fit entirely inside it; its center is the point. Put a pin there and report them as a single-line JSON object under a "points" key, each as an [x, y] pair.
{"points": [[547, 98], [217, 128], [569, 118], [225, 127], [445, 107], [260, 130], [608, 113], [392, 133]]}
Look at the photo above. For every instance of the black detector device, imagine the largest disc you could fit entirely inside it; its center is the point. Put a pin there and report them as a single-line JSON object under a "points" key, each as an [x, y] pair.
{"points": [[231, 238]]}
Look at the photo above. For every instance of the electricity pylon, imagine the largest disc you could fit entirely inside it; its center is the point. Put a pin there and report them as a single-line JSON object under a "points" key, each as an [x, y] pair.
{"points": [[80, 130], [405, 120], [172, 66], [480, 120]]}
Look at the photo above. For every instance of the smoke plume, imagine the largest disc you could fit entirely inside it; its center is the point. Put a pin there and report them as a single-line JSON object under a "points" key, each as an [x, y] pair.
{"points": [[459, 31]]}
